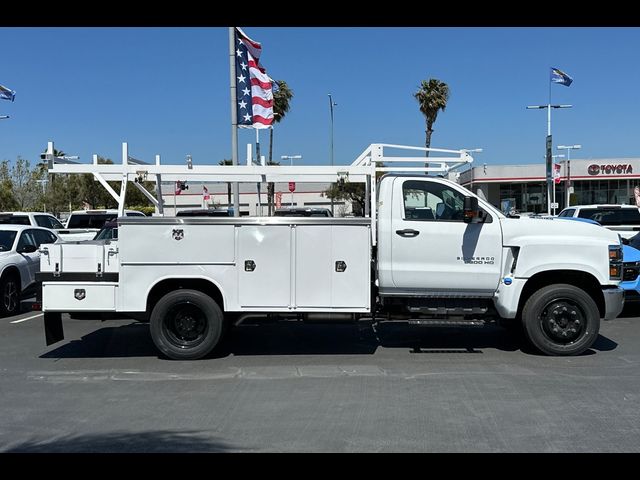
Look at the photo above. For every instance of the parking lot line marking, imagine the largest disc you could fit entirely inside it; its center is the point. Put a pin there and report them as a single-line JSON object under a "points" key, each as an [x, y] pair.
{"points": [[28, 318]]}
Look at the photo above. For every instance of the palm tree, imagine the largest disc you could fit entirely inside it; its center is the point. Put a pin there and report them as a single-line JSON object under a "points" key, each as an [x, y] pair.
{"points": [[432, 97], [227, 162], [281, 103]]}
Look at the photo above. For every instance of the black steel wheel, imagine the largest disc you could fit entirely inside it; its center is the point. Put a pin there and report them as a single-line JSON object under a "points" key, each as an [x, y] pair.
{"points": [[186, 324], [561, 319]]}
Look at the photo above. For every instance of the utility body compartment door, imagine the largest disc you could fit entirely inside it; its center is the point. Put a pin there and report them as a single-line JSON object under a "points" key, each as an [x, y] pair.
{"points": [[264, 265]]}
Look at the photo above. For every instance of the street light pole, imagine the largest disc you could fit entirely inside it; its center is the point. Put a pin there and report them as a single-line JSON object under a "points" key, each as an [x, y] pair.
{"points": [[292, 158], [549, 160], [331, 105], [568, 148]]}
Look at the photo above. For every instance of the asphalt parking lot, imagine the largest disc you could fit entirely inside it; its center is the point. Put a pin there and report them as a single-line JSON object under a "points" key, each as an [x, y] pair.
{"points": [[288, 387]]}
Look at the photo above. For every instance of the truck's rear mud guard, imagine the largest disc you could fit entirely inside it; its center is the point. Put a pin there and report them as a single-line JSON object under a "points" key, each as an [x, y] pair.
{"points": [[53, 327]]}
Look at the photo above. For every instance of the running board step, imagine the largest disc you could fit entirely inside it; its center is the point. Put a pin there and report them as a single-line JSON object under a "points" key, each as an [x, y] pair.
{"points": [[446, 323], [448, 310]]}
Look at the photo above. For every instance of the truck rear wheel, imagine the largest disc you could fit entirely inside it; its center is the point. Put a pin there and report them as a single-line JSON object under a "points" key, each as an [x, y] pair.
{"points": [[186, 324], [561, 319]]}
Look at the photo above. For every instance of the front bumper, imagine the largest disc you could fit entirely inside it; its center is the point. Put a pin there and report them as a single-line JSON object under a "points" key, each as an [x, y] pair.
{"points": [[613, 302]]}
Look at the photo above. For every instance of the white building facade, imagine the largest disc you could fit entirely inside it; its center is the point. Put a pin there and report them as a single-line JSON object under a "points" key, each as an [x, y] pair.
{"points": [[523, 187]]}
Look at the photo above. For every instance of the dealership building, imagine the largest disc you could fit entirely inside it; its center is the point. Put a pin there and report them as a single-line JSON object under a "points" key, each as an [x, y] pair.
{"points": [[523, 187]]}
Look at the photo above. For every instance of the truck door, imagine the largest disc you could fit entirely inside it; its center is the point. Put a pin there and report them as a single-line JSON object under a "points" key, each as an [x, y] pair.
{"points": [[433, 251]]}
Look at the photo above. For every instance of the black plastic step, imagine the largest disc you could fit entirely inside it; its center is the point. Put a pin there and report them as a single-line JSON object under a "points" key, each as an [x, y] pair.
{"points": [[446, 323]]}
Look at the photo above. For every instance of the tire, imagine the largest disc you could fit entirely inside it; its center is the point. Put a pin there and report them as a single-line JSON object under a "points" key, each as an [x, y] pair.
{"points": [[561, 320], [186, 324], [9, 295]]}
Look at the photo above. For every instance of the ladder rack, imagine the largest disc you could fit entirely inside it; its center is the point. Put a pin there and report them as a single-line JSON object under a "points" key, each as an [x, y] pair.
{"points": [[362, 170]]}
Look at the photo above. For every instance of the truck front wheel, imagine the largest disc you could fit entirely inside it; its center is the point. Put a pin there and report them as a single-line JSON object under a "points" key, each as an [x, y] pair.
{"points": [[561, 319], [186, 324]]}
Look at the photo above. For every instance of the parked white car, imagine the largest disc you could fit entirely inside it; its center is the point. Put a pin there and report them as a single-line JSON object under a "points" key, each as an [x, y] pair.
{"points": [[85, 224], [19, 262], [39, 219], [622, 219]]}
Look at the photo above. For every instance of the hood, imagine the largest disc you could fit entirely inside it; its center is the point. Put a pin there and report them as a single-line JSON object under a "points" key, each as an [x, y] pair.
{"points": [[547, 244], [555, 231]]}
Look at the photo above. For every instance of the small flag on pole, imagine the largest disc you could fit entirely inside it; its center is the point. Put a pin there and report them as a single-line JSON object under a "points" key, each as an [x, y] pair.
{"points": [[205, 193], [558, 76], [556, 172], [178, 189], [7, 93]]}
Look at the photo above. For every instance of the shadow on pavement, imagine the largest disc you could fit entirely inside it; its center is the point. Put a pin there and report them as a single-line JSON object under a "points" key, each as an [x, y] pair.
{"points": [[131, 340], [293, 338], [124, 442]]}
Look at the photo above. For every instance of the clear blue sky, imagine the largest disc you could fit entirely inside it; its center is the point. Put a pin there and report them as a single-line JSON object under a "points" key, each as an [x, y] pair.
{"points": [[166, 90]]}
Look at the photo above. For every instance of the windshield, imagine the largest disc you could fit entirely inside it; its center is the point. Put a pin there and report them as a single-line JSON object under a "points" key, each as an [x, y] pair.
{"points": [[608, 217], [15, 220], [6, 240], [90, 220]]}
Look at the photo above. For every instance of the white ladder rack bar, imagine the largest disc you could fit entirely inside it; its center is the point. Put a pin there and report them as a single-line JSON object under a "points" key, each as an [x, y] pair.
{"points": [[362, 170]]}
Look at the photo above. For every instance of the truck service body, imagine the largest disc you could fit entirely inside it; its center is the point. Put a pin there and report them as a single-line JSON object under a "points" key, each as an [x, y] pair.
{"points": [[431, 252]]}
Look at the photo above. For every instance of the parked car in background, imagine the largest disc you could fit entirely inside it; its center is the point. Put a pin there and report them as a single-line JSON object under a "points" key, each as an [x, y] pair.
{"points": [[624, 219], [108, 232], [204, 212], [39, 219], [630, 263], [85, 224], [302, 212], [19, 262]]}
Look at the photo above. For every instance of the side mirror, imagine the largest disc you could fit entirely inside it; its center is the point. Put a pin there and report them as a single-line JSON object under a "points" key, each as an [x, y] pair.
{"points": [[470, 209], [28, 249]]}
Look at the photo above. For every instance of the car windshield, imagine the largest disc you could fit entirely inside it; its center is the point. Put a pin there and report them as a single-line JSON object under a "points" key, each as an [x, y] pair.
{"points": [[614, 216], [90, 220], [302, 213], [6, 240], [15, 219]]}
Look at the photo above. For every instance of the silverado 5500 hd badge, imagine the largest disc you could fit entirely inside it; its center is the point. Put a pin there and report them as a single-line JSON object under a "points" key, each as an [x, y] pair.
{"points": [[478, 260]]}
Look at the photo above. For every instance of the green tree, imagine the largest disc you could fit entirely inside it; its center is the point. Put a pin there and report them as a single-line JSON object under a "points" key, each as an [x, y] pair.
{"points": [[281, 104], [26, 190], [7, 200], [353, 192], [432, 96]]}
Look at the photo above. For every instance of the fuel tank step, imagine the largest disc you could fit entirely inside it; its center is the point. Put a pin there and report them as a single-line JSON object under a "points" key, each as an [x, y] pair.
{"points": [[429, 322]]}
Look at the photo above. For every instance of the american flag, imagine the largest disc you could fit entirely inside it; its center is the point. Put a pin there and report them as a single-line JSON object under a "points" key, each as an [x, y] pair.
{"points": [[254, 94]]}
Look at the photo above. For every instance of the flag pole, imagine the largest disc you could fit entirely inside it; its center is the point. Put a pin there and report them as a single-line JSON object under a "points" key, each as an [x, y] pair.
{"points": [[234, 116]]}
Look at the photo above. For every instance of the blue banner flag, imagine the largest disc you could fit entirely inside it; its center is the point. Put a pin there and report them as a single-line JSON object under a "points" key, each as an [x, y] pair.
{"points": [[7, 93], [558, 76]]}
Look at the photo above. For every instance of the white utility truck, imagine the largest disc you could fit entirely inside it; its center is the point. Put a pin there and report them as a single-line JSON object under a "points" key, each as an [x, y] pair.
{"points": [[428, 252]]}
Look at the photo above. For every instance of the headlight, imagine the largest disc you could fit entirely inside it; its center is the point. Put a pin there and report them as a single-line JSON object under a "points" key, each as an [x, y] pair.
{"points": [[615, 262]]}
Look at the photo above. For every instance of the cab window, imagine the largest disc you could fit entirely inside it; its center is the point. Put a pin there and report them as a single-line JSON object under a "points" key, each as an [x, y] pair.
{"points": [[431, 201]]}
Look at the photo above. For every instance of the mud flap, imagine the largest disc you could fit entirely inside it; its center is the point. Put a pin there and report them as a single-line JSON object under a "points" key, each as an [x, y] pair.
{"points": [[53, 327]]}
